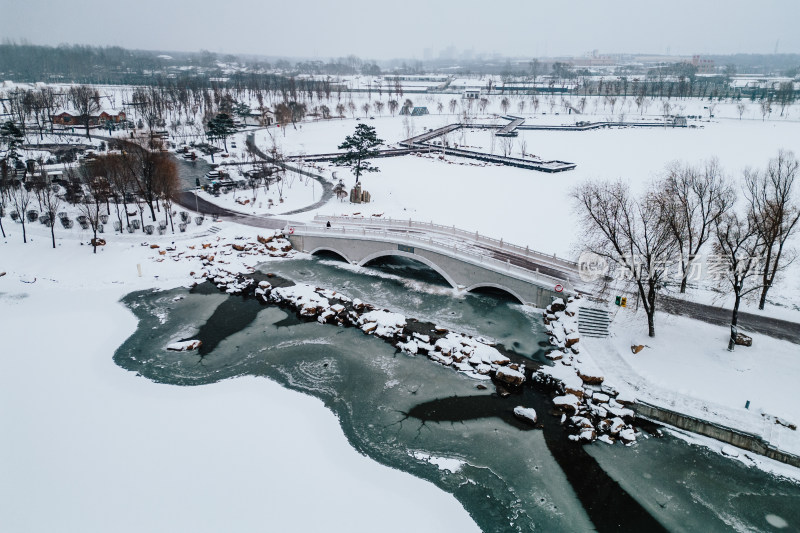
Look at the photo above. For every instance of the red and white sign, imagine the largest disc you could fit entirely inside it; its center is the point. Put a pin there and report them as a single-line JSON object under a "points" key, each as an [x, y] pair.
{"points": [[559, 287]]}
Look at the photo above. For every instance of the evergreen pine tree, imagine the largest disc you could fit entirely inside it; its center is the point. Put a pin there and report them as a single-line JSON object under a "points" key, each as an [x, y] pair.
{"points": [[359, 147]]}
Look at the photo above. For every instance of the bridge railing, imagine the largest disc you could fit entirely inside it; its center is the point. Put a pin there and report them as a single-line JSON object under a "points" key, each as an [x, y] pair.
{"points": [[450, 248], [472, 237]]}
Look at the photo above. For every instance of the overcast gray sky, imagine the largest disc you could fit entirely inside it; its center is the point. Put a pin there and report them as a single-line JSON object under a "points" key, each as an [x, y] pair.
{"points": [[383, 30]]}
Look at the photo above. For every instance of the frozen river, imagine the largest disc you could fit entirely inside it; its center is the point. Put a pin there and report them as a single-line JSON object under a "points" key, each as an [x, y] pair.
{"points": [[419, 417]]}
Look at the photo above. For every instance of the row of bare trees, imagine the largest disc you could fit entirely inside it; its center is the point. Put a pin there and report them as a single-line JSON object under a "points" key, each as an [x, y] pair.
{"points": [[689, 209], [140, 176], [37, 107]]}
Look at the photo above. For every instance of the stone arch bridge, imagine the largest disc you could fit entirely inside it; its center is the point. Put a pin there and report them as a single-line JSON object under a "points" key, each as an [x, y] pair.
{"points": [[467, 261]]}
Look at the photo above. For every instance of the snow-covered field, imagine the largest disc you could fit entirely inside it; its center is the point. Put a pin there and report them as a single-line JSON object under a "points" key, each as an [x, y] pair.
{"points": [[88, 439], [533, 208], [688, 368], [90, 447], [296, 191]]}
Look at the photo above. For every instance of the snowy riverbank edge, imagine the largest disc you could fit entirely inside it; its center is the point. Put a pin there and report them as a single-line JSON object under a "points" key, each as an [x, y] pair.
{"points": [[600, 395], [104, 449]]}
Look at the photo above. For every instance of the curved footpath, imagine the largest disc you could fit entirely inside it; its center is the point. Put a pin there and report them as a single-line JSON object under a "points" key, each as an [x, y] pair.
{"points": [[327, 188]]}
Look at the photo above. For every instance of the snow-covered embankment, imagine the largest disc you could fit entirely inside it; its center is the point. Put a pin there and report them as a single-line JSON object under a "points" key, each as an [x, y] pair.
{"points": [[591, 408]]}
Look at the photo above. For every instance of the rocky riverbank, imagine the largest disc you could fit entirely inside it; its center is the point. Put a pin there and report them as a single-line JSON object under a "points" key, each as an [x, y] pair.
{"points": [[591, 408], [474, 357]]}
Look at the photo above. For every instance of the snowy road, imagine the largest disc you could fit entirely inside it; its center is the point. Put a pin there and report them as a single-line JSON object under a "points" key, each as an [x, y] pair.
{"points": [[749, 322], [189, 200]]}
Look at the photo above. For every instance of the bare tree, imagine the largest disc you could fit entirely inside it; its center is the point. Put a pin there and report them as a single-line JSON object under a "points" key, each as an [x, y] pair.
{"points": [[51, 202], [666, 108], [95, 189], [145, 166], [629, 233], [741, 107], [691, 201], [2, 212], [283, 115], [507, 144], [121, 182], [452, 105], [775, 210], [766, 108], [90, 207], [86, 101], [535, 69], [21, 197], [736, 246], [504, 103], [366, 108], [379, 106], [785, 95], [340, 191], [149, 105], [639, 100], [535, 103], [167, 186], [393, 106]]}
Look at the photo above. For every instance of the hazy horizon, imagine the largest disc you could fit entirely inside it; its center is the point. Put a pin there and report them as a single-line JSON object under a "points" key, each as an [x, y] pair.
{"points": [[370, 30]]}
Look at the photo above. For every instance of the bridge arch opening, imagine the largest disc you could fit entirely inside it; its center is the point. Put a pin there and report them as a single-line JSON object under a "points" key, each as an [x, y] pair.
{"points": [[409, 265], [330, 254], [496, 291]]}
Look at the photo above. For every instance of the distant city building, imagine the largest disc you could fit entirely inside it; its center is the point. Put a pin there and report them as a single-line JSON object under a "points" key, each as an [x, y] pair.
{"points": [[704, 66]]}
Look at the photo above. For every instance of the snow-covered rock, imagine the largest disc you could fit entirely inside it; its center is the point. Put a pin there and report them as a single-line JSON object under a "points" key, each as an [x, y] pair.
{"points": [[730, 451], [303, 297], [184, 346], [525, 413], [568, 402], [510, 376], [382, 323]]}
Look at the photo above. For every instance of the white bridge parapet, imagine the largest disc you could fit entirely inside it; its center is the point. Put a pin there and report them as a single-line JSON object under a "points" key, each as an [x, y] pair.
{"points": [[466, 260], [464, 235]]}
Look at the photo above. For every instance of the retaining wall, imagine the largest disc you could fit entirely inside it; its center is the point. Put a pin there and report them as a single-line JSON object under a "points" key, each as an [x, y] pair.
{"points": [[740, 439]]}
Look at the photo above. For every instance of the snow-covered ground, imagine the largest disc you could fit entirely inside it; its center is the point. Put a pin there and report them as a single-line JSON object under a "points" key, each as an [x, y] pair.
{"points": [[296, 191], [531, 208], [90, 447], [687, 368]]}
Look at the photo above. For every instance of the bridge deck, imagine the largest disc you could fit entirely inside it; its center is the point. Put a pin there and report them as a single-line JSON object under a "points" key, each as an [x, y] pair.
{"points": [[531, 164], [509, 130], [331, 156], [543, 269], [420, 143]]}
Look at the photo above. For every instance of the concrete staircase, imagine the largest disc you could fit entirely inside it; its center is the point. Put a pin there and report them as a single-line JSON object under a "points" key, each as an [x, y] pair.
{"points": [[593, 322]]}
